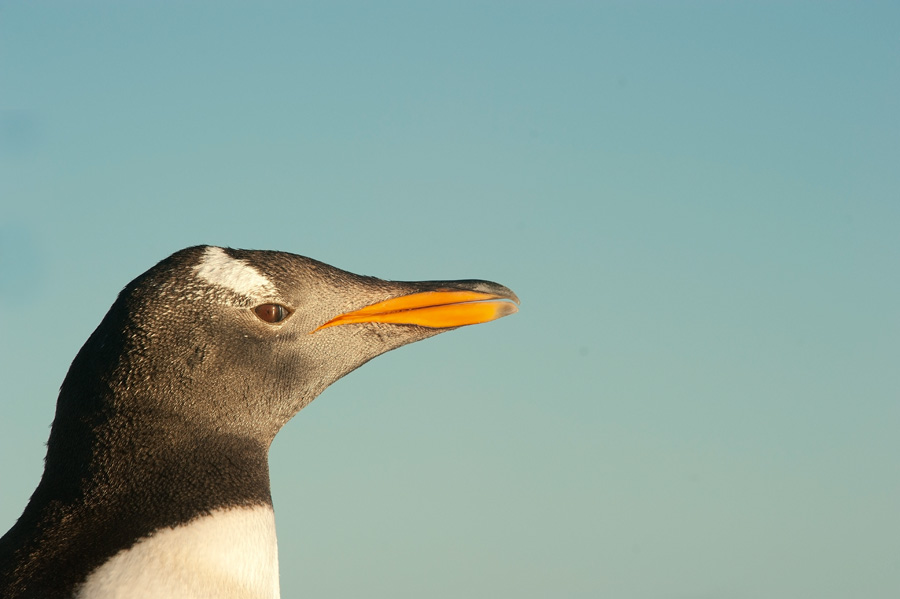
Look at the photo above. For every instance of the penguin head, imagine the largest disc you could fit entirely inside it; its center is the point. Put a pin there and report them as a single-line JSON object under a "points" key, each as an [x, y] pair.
{"points": [[236, 342]]}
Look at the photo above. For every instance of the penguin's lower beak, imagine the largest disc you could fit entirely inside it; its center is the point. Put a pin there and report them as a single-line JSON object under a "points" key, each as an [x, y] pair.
{"points": [[438, 309]]}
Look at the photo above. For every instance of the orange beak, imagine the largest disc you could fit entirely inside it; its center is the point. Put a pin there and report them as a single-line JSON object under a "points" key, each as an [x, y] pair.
{"points": [[441, 309]]}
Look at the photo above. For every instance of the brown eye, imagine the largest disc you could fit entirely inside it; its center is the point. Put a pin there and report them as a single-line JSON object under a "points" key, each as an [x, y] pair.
{"points": [[272, 313]]}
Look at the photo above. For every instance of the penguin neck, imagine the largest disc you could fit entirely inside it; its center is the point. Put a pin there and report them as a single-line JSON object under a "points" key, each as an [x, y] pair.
{"points": [[111, 481], [152, 457]]}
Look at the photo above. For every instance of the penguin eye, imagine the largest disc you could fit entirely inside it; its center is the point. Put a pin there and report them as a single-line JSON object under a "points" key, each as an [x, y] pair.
{"points": [[271, 313]]}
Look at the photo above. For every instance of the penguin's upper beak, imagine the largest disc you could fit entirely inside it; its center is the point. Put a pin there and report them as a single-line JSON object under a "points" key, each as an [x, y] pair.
{"points": [[439, 308]]}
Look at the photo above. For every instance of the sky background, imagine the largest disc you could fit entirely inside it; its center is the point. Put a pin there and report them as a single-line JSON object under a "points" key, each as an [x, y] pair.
{"points": [[697, 202]]}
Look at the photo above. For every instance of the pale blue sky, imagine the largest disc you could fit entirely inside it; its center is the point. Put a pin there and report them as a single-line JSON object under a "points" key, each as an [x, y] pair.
{"points": [[698, 203]]}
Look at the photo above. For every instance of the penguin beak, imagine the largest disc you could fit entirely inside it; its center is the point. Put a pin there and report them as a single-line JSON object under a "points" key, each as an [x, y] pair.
{"points": [[438, 309]]}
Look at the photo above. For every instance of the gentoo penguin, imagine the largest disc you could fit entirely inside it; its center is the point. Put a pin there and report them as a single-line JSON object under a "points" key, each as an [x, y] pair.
{"points": [[156, 480]]}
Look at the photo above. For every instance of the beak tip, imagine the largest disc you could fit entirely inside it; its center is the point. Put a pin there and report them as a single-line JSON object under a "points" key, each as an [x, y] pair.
{"points": [[507, 308]]}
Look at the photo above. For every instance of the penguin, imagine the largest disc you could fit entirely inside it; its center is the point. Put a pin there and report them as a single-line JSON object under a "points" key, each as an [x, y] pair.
{"points": [[156, 479]]}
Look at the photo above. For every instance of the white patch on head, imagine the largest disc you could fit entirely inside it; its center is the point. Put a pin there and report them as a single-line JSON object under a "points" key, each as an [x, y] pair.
{"points": [[218, 268], [228, 554]]}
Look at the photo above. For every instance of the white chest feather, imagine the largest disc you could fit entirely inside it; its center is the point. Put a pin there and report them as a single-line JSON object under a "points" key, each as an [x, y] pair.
{"points": [[229, 554]]}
